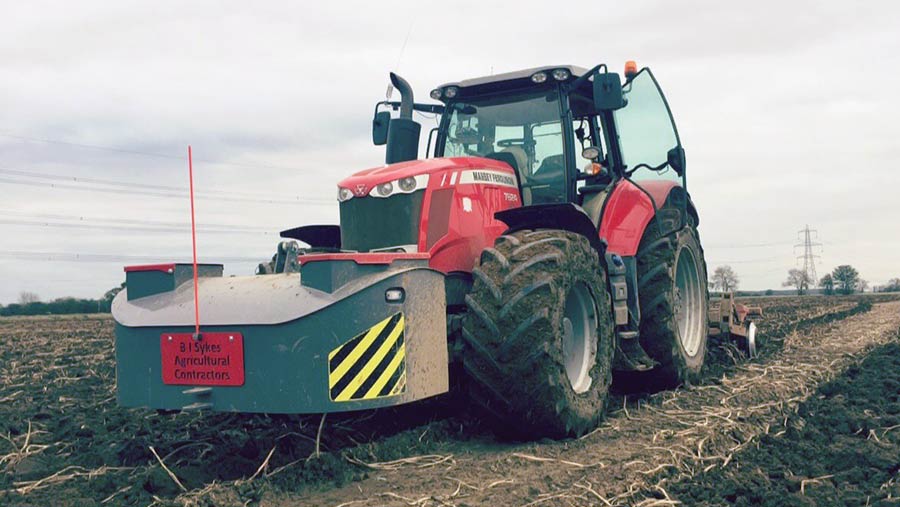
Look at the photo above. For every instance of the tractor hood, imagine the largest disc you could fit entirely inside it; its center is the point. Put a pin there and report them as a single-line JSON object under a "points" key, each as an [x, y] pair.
{"points": [[363, 182]]}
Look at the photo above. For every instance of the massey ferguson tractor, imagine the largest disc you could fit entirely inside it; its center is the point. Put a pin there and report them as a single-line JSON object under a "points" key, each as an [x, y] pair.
{"points": [[546, 240]]}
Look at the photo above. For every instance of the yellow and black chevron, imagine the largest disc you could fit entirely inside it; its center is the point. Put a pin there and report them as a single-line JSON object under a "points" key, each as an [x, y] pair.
{"points": [[371, 365]]}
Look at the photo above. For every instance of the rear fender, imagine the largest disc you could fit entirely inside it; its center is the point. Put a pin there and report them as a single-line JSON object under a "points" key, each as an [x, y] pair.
{"points": [[316, 236], [630, 208], [564, 216]]}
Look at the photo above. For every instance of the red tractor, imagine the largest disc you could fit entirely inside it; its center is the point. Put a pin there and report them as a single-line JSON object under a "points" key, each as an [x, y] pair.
{"points": [[548, 241]]}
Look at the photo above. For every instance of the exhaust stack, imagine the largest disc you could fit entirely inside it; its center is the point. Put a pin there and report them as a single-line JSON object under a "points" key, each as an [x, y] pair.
{"points": [[403, 132]]}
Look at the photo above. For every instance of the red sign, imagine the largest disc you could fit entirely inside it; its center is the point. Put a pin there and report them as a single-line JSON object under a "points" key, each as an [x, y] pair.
{"points": [[216, 359]]}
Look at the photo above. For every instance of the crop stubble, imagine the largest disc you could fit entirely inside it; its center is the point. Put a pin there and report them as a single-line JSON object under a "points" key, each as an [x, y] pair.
{"points": [[64, 439]]}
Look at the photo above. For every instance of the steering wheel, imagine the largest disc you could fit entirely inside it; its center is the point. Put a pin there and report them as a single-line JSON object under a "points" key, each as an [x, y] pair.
{"points": [[507, 143]]}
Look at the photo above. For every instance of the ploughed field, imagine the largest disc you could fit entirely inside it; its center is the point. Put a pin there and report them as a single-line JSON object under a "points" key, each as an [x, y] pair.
{"points": [[815, 420]]}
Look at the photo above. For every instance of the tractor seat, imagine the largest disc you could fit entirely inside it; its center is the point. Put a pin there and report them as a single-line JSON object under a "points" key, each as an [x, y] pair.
{"points": [[514, 156], [508, 158], [552, 168], [549, 180]]}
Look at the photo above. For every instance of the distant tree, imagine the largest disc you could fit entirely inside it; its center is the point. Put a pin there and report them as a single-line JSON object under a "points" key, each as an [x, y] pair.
{"points": [[862, 285], [799, 279], [12, 309], [769, 292], [64, 305], [30, 304], [35, 308], [26, 297], [893, 285], [112, 293], [846, 278], [725, 279], [827, 283], [105, 304]]}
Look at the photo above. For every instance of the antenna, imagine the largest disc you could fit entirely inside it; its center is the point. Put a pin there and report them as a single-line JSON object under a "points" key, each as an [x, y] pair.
{"points": [[809, 258], [194, 246], [390, 87]]}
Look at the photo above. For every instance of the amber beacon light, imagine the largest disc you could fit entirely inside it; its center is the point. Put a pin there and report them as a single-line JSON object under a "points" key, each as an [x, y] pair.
{"points": [[631, 69]]}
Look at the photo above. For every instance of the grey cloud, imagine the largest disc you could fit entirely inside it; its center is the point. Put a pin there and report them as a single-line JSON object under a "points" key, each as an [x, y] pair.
{"points": [[786, 110]]}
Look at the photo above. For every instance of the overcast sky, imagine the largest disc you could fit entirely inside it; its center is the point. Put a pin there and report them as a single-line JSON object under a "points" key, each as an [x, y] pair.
{"points": [[787, 111]]}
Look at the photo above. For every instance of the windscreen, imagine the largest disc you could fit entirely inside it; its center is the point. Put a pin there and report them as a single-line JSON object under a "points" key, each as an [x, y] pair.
{"points": [[524, 126], [522, 130]]}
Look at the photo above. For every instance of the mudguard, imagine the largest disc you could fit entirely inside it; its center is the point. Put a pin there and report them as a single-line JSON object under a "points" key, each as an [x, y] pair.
{"points": [[564, 216], [625, 215], [630, 207], [316, 236]]}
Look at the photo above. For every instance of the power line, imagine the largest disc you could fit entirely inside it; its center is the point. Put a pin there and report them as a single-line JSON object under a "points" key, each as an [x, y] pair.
{"points": [[770, 271], [154, 194], [151, 187], [124, 228], [114, 149], [749, 245], [80, 218], [130, 184], [113, 258], [747, 261]]}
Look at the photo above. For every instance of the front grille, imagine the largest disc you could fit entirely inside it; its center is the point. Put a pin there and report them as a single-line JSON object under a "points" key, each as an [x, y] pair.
{"points": [[370, 223]]}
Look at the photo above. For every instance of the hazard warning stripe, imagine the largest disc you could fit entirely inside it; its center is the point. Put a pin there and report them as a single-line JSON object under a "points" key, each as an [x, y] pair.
{"points": [[371, 365], [370, 368]]}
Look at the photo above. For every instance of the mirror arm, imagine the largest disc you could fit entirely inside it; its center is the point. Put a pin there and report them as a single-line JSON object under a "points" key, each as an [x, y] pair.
{"points": [[417, 106], [379, 104], [584, 78]]}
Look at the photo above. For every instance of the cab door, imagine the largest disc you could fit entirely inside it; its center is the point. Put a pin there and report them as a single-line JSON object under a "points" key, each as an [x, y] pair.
{"points": [[648, 138]]}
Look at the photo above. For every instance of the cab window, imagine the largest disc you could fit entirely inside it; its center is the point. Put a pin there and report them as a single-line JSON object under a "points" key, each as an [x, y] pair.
{"points": [[522, 130], [646, 130]]}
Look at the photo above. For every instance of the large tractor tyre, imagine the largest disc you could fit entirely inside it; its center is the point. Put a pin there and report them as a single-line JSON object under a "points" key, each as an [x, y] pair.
{"points": [[538, 335], [674, 300]]}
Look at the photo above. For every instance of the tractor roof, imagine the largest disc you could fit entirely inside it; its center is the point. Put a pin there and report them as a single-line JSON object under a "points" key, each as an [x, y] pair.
{"points": [[515, 75]]}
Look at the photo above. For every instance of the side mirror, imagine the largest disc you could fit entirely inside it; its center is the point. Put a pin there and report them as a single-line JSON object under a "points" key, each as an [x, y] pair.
{"points": [[608, 91], [380, 127], [676, 160]]}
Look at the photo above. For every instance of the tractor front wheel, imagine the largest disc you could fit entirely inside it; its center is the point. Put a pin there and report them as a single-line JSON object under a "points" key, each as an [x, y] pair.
{"points": [[538, 335]]}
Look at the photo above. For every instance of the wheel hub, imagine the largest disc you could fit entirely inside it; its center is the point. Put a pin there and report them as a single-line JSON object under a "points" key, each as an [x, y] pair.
{"points": [[579, 337], [688, 302]]}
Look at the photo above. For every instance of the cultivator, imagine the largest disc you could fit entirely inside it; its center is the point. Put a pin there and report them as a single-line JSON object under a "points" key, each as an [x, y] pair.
{"points": [[534, 272], [734, 318]]}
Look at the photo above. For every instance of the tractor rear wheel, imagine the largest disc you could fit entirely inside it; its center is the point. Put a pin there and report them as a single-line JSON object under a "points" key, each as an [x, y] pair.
{"points": [[674, 300], [538, 335]]}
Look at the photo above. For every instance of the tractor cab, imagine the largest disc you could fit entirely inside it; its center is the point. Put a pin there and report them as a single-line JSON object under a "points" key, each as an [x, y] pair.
{"points": [[588, 154], [565, 130]]}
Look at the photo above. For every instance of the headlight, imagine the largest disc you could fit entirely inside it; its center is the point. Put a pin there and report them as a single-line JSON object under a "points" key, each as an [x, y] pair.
{"points": [[538, 77], [450, 92], [344, 194], [436, 94], [561, 74], [385, 189], [406, 185]]}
